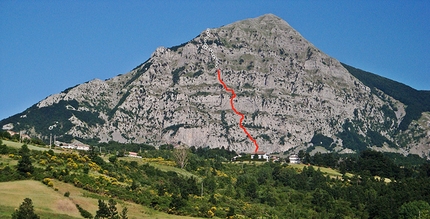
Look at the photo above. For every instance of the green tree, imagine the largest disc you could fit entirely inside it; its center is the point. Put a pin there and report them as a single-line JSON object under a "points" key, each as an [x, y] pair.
{"points": [[24, 164], [84, 213], [113, 212], [249, 185], [103, 211], [230, 212], [25, 211], [124, 212], [93, 153], [414, 209], [3, 148], [108, 210], [209, 184], [177, 202], [5, 135], [321, 200], [113, 159], [301, 154]]}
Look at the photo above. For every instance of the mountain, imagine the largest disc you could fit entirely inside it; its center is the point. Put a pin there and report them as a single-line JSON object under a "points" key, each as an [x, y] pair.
{"points": [[293, 97]]}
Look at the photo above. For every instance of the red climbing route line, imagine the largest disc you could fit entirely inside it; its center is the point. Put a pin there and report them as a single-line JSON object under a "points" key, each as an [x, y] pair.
{"points": [[242, 117]]}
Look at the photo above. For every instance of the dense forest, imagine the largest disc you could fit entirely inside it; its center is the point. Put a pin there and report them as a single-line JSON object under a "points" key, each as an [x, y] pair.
{"points": [[370, 184]]}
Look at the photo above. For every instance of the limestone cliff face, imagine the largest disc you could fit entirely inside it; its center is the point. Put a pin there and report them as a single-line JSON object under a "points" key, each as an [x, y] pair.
{"points": [[289, 91]]}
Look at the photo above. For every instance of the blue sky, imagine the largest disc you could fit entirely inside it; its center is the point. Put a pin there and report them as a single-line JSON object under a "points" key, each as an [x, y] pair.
{"points": [[48, 46]]}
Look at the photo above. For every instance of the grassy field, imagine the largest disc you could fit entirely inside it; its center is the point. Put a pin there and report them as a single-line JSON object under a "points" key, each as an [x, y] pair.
{"points": [[5, 160], [31, 147], [161, 167], [329, 171], [45, 199], [49, 203]]}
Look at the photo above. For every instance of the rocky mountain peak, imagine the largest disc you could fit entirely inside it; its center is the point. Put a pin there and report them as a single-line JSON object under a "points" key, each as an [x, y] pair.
{"points": [[293, 97]]}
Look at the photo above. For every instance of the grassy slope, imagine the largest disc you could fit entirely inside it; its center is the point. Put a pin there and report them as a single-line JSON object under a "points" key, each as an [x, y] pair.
{"points": [[49, 203], [329, 171], [31, 147], [299, 167], [161, 167], [46, 201], [89, 201]]}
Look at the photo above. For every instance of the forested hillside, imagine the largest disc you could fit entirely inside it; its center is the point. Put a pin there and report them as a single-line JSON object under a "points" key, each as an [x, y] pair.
{"points": [[367, 185]]}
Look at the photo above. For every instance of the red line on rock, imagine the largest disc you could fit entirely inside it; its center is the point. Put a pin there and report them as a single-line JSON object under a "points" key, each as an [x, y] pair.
{"points": [[242, 117]]}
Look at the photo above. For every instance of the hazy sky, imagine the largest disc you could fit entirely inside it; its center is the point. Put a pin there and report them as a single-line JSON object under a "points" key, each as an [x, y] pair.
{"points": [[48, 46]]}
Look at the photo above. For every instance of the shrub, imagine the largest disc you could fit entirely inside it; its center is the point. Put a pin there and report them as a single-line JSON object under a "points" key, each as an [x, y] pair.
{"points": [[47, 181], [176, 74]]}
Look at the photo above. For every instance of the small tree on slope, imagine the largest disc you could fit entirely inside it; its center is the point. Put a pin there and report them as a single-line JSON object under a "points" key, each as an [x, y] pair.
{"points": [[25, 211]]}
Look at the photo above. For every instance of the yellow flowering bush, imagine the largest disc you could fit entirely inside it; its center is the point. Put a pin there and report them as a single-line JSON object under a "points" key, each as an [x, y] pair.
{"points": [[42, 162], [71, 164], [48, 182], [220, 173], [160, 160], [94, 166], [210, 214]]}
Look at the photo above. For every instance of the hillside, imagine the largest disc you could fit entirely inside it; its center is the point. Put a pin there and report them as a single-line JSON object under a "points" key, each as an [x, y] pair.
{"points": [[417, 101], [291, 94], [367, 185], [49, 203]]}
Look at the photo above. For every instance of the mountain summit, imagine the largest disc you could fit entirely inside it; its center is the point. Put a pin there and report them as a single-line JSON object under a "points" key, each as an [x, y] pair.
{"points": [[293, 97]]}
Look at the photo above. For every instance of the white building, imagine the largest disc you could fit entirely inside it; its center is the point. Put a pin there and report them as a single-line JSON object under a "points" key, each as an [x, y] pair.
{"points": [[294, 159], [74, 145], [260, 155], [83, 147], [133, 154]]}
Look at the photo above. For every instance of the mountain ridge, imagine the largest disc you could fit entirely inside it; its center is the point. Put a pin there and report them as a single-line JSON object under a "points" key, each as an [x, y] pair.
{"points": [[288, 90]]}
